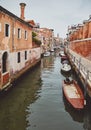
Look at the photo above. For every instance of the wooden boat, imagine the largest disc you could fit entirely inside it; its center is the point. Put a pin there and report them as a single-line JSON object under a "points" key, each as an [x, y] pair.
{"points": [[73, 94]]}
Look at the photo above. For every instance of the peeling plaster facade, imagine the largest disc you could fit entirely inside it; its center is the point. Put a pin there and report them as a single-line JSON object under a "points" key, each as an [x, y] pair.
{"points": [[16, 51]]}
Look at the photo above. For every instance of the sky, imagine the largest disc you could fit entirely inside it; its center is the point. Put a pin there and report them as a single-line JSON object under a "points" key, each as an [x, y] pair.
{"points": [[53, 14]]}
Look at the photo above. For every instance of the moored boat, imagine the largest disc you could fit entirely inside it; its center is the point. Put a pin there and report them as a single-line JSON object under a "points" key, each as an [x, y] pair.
{"points": [[66, 68], [73, 94], [65, 62], [65, 74], [63, 57]]}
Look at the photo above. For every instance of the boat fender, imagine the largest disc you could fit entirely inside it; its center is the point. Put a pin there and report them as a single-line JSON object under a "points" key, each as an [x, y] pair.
{"points": [[84, 102]]}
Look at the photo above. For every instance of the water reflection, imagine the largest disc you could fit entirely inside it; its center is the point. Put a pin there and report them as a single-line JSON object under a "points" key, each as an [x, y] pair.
{"points": [[76, 115], [45, 112], [14, 103], [36, 102], [47, 62], [87, 117]]}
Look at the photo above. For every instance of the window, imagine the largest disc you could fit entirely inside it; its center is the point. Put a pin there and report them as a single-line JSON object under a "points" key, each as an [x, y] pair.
{"points": [[19, 33], [26, 35], [25, 55], [7, 30], [18, 57]]}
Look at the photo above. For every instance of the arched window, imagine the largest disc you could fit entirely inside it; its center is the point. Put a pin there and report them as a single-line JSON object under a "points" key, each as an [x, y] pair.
{"points": [[4, 62]]}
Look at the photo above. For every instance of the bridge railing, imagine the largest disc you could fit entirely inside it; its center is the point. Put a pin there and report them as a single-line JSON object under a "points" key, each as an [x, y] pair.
{"points": [[82, 64]]}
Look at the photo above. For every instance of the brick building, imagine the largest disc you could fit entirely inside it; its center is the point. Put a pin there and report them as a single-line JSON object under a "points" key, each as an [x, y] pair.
{"points": [[16, 51], [80, 38]]}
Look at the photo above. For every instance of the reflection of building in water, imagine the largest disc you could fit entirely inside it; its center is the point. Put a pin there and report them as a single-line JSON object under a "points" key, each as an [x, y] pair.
{"points": [[87, 118], [46, 62]]}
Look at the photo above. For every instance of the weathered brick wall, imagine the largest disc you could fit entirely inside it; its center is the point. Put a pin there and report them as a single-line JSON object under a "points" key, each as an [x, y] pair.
{"points": [[13, 42], [80, 39]]}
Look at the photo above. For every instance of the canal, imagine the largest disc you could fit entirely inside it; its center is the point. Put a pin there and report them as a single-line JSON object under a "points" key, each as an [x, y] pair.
{"points": [[36, 102]]}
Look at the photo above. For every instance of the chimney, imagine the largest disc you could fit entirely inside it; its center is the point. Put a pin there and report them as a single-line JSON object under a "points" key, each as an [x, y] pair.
{"points": [[22, 6]]}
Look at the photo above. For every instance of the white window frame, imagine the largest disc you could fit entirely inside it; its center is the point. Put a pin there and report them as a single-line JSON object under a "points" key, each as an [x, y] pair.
{"points": [[25, 35]]}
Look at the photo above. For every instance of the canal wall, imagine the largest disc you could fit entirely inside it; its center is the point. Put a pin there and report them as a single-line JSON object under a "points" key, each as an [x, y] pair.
{"points": [[34, 57], [14, 68], [82, 67], [24, 70]]}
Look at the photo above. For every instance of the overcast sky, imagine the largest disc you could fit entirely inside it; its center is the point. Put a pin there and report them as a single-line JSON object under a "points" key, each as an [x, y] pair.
{"points": [[54, 14]]}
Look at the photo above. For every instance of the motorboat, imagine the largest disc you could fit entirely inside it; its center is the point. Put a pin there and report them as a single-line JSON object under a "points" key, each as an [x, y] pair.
{"points": [[68, 74], [73, 93], [66, 68]]}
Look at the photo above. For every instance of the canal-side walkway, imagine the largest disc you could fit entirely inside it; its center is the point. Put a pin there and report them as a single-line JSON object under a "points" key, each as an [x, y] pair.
{"points": [[83, 65], [85, 62]]}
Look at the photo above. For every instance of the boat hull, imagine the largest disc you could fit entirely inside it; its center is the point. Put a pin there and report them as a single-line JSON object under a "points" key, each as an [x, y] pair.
{"points": [[65, 71], [74, 95], [64, 58], [65, 74]]}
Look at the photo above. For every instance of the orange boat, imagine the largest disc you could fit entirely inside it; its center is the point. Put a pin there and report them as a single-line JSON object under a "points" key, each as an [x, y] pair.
{"points": [[73, 94]]}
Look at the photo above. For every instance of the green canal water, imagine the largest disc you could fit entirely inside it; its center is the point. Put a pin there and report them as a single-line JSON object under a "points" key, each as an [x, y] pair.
{"points": [[36, 102]]}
